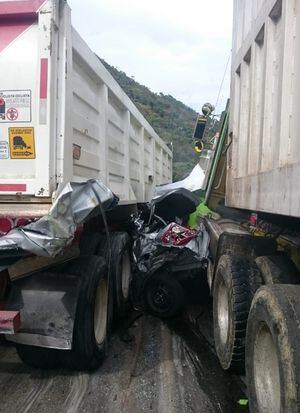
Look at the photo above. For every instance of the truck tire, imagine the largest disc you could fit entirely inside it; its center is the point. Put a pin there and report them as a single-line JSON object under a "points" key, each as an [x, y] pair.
{"points": [[235, 283], [38, 357], [278, 269], [164, 296], [121, 271], [121, 274], [272, 356], [92, 314]]}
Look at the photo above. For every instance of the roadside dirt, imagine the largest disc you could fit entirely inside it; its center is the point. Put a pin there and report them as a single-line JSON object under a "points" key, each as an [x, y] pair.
{"points": [[164, 369]]}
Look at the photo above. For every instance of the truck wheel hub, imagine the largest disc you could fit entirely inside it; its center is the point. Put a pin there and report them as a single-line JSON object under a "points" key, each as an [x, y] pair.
{"points": [[161, 297], [100, 313], [223, 312], [266, 372]]}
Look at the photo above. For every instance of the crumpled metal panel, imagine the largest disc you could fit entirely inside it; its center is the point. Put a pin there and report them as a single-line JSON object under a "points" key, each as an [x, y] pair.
{"points": [[48, 236]]}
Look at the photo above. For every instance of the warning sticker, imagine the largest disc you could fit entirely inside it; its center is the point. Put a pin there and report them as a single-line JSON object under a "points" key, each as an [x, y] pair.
{"points": [[15, 106], [4, 152], [21, 143]]}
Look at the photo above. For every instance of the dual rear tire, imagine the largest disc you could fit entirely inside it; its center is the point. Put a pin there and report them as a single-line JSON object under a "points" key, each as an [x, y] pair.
{"points": [[272, 350], [91, 324], [103, 294], [235, 283], [92, 320], [258, 327]]}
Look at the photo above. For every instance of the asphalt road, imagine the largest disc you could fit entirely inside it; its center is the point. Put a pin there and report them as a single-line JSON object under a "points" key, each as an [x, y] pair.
{"points": [[165, 370]]}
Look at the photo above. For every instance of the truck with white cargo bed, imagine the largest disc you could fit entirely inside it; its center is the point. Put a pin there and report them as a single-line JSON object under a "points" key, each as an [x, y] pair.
{"points": [[252, 183], [72, 145]]}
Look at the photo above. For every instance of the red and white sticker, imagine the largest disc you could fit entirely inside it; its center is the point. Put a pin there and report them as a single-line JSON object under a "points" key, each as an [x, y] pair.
{"points": [[12, 114], [15, 106]]}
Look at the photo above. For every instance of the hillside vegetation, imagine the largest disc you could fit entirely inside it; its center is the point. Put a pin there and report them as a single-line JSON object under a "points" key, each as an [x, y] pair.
{"points": [[171, 119]]}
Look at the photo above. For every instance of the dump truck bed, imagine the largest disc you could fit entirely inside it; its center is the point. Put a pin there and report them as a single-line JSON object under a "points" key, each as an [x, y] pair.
{"points": [[62, 115], [264, 158]]}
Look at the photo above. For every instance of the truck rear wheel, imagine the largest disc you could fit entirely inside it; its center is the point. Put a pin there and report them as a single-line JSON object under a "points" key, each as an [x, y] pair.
{"points": [[272, 356], [234, 286], [121, 271], [278, 269], [92, 314], [121, 274], [38, 357]]}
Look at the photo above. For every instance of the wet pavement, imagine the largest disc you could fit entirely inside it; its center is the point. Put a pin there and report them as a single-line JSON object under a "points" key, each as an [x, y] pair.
{"points": [[165, 369]]}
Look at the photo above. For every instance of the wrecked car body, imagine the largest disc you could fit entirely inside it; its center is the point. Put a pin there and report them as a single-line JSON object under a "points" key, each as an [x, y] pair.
{"points": [[166, 251]]}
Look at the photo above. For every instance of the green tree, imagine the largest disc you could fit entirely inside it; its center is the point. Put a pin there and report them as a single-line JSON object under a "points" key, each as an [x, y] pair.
{"points": [[171, 119]]}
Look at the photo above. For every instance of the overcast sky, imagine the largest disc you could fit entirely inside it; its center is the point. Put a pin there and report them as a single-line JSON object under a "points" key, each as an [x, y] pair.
{"points": [[177, 48]]}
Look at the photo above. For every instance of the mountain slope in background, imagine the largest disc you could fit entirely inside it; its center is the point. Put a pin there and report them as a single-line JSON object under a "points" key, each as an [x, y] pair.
{"points": [[171, 119]]}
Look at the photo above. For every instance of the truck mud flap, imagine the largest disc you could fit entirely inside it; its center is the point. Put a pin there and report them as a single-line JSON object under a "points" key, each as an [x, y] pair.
{"points": [[47, 304]]}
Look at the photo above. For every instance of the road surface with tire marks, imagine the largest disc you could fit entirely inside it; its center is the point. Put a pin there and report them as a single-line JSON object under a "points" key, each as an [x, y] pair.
{"points": [[161, 370]]}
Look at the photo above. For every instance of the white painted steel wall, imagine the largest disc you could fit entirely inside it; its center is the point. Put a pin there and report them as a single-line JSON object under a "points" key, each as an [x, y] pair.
{"points": [[264, 158], [87, 127]]}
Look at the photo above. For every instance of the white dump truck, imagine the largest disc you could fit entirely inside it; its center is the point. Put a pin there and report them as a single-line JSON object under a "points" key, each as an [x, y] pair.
{"points": [[253, 183], [64, 123]]}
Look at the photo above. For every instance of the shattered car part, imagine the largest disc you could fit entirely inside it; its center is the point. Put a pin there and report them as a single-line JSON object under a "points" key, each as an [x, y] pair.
{"points": [[150, 252], [48, 236], [176, 235], [163, 239]]}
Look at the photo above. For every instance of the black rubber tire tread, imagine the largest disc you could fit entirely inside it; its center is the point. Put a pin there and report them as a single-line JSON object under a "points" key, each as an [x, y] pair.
{"points": [[278, 269], [241, 278], [120, 243], [89, 243], [38, 357], [278, 308], [176, 292], [86, 354]]}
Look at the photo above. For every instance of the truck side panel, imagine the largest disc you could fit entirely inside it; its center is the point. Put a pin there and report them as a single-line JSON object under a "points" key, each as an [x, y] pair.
{"points": [[110, 133], [62, 115], [264, 163], [26, 153]]}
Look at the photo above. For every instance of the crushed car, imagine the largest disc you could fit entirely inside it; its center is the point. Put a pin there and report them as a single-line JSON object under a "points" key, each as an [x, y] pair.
{"points": [[168, 255]]}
